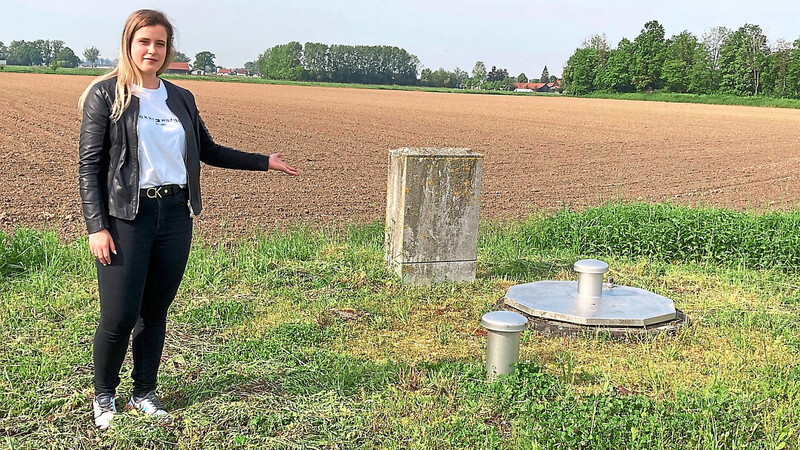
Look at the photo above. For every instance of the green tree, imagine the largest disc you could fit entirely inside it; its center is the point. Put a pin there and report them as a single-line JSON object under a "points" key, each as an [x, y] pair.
{"points": [[702, 78], [580, 72], [316, 61], [545, 76], [425, 76], [444, 78], [680, 55], [712, 41], [615, 75], [793, 71], [3, 51], [23, 53], [478, 74], [599, 43], [776, 75], [440, 78], [45, 49], [92, 54], [743, 59], [497, 75], [460, 77], [602, 51], [66, 58], [648, 52], [282, 62], [506, 84], [55, 47], [205, 61], [180, 57], [522, 78]]}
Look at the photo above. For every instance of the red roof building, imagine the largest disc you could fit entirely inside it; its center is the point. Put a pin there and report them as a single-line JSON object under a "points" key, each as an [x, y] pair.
{"points": [[538, 87], [179, 67]]}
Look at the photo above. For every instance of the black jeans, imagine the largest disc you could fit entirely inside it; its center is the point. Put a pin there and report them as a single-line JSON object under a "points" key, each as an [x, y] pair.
{"points": [[137, 288]]}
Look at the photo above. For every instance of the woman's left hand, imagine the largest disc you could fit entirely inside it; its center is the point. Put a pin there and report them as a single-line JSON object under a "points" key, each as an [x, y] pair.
{"points": [[275, 163]]}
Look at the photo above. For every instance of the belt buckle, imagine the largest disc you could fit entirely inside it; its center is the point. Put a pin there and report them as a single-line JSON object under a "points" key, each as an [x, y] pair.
{"points": [[154, 192]]}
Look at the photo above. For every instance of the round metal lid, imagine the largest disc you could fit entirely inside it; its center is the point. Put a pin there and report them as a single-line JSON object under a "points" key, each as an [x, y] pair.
{"points": [[505, 321], [590, 266]]}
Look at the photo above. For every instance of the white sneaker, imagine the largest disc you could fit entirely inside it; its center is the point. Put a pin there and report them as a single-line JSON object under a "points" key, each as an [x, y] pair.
{"points": [[104, 409], [148, 405]]}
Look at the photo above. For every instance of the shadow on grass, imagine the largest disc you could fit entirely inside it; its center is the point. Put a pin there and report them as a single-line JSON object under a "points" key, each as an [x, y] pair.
{"points": [[522, 269]]}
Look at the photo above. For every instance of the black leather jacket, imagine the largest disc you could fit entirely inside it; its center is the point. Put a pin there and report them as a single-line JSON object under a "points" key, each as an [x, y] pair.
{"points": [[109, 154]]}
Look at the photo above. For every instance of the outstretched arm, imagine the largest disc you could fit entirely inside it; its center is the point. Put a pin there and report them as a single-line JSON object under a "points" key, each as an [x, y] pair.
{"points": [[221, 156]]}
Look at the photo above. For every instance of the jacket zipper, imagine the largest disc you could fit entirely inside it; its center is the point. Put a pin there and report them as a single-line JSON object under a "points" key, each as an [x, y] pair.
{"points": [[188, 181], [136, 160]]}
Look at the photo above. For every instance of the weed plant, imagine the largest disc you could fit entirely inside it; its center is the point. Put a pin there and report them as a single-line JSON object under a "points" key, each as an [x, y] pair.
{"points": [[303, 339]]}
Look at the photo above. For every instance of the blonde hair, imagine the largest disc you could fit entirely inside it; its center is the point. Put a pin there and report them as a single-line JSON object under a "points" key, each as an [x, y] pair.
{"points": [[126, 71]]}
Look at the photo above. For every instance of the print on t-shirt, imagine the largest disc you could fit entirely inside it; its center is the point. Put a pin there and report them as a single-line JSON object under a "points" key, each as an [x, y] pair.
{"points": [[161, 122]]}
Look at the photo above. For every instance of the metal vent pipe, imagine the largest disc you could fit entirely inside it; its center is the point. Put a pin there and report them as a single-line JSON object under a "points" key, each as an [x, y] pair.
{"points": [[502, 346], [590, 278]]}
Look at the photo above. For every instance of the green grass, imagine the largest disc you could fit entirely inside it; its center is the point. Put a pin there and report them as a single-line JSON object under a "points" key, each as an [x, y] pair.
{"points": [[710, 99], [303, 339], [255, 80], [60, 71]]}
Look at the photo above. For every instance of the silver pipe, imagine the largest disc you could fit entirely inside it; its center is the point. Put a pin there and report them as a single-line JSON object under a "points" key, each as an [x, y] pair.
{"points": [[590, 278], [502, 345]]}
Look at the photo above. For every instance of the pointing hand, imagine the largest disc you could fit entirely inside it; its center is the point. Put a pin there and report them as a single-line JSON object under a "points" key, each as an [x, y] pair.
{"points": [[275, 163]]}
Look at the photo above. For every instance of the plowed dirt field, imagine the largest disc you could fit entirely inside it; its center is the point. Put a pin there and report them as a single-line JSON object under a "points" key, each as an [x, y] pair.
{"points": [[540, 152]]}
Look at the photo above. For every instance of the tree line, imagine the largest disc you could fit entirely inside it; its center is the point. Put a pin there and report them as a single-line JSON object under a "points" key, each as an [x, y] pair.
{"points": [[379, 64], [367, 64], [39, 52], [721, 61], [42, 52], [496, 79]]}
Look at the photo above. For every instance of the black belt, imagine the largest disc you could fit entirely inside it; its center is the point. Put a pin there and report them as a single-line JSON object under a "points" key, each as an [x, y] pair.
{"points": [[161, 191]]}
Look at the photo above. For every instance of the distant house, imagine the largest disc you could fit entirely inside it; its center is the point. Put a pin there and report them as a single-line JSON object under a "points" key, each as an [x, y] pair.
{"points": [[224, 72], [538, 87], [179, 68], [242, 72], [531, 87], [198, 72]]}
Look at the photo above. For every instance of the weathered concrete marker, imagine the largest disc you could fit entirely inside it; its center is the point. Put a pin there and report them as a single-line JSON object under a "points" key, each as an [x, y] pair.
{"points": [[432, 210]]}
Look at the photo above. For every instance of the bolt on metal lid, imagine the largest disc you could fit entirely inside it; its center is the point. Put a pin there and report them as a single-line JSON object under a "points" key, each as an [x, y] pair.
{"points": [[505, 321], [590, 266]]}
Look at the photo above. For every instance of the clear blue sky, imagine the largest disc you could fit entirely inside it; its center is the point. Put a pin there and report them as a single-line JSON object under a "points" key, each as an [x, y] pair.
{"points": [[521, 36]]}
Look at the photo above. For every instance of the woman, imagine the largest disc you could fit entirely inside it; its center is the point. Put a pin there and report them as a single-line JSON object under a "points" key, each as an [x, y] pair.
{"points": [[141, 144]]}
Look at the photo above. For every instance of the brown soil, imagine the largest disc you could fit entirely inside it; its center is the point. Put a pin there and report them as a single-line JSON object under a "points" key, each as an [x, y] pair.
{"points": [[540, 152]]}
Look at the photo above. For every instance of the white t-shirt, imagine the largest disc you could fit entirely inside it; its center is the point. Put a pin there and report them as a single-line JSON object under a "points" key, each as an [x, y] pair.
{"points": [[162, 140]]}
